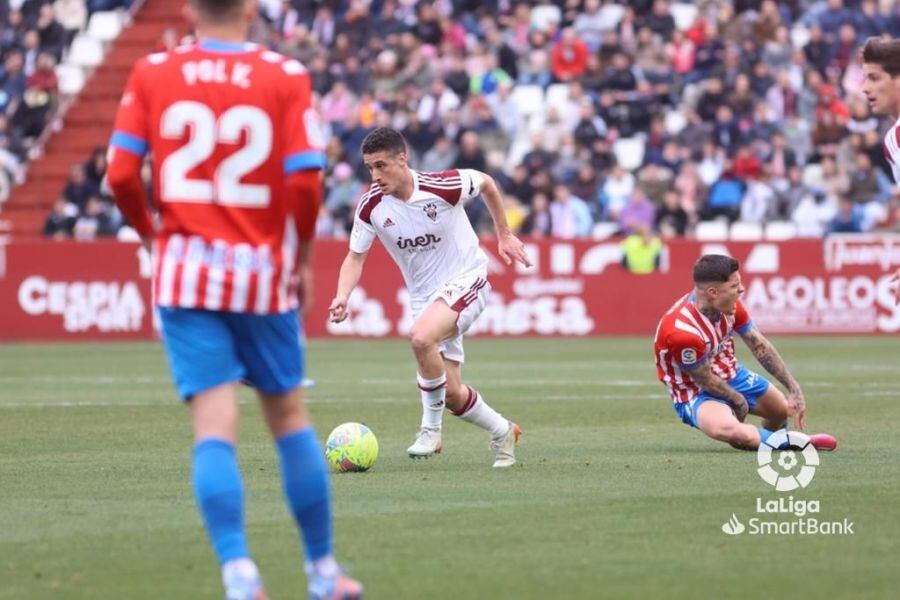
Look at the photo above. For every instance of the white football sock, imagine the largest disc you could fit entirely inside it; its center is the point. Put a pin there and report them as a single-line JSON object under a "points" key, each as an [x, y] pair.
{"points": [[477, 412], [434, 392], [325, 567], [244, 568]]}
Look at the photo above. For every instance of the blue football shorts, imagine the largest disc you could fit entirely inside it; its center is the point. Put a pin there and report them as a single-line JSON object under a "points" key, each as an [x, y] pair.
{"points": [[206, 349], [748, 384]]}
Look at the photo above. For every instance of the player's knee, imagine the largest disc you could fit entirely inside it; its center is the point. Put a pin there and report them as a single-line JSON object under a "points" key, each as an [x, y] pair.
{"points": [[421, 340], [780, 412]]}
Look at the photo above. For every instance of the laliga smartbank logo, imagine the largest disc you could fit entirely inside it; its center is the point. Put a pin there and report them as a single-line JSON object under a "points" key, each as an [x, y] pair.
{"points": [[789, 477], [788, 469]]}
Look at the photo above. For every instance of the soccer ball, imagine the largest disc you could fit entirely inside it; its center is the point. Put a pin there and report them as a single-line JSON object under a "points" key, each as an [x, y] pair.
{"points": [[351, 447]]}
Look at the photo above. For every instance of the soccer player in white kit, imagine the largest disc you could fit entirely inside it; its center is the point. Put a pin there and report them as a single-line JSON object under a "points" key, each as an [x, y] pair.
{"points": [[881, 87], [419, 217]]}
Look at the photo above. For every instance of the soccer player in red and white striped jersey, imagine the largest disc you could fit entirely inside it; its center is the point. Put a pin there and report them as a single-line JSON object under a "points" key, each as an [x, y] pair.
{"points": [[236, 163], [710, 389], [881, 87], [420, 220]]}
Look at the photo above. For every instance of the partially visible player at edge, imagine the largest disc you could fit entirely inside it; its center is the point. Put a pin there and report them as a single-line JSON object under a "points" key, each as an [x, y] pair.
{"points": [[881, 87], [420, 219], [710, 389], [236, 177]]}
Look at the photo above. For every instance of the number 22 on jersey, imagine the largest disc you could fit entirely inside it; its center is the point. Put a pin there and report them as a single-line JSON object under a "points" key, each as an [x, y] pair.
{"points": [[205, 132]]}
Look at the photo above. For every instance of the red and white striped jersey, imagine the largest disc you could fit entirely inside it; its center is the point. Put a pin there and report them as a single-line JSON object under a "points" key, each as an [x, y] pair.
{"points": [[226, 124], [429, 236], [686, 338], [892, 149]]}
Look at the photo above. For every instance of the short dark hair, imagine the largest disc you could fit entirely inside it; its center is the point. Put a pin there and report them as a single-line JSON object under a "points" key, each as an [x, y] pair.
{"points": [[384, 139], [219, 11], [714, 268], [883, 51]]}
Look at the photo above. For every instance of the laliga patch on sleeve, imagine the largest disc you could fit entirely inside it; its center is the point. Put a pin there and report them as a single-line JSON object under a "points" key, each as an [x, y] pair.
{"points": [[688, 356]]}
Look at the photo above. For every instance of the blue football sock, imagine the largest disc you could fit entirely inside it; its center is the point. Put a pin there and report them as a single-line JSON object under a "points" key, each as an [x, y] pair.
{"points": [[305, 480], [220, 496], [764, 435]]}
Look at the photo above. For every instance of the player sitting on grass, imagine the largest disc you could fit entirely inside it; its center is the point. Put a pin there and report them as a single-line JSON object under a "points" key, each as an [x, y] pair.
{"points": [[711, 391]]}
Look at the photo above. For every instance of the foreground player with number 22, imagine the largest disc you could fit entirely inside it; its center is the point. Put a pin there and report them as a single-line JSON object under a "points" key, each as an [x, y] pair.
{"points": [[236, 177], [420, 220]]}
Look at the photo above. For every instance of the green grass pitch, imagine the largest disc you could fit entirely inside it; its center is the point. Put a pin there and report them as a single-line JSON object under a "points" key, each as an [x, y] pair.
{"points": [[613, 497]]}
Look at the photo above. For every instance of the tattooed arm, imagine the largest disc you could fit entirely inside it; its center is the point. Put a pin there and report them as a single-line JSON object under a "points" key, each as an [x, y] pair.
{"points": [[714, 385], [769, 358]]}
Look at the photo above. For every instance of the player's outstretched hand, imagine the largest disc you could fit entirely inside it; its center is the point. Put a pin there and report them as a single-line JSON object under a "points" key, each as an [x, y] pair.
{"points": [[797, 406], [741, 410], [512, 249], [896, 280], [338, 310]]}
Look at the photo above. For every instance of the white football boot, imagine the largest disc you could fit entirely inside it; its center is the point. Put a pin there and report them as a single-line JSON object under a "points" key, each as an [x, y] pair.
{"points": [[505, 447], [428, 442]]}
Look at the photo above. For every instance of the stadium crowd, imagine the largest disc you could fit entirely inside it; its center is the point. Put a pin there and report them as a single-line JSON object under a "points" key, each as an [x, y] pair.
{"points": [[34, 37], [594, 116]]}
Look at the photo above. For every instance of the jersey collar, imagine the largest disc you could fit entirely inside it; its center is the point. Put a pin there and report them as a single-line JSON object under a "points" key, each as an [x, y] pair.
{"points": [[222, 47]]}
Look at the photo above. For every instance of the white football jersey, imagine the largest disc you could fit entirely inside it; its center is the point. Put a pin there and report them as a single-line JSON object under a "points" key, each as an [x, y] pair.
{"points": [[429, 236], [892, 149]]}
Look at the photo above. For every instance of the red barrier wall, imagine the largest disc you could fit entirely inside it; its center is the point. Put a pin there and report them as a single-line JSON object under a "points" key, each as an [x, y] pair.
{"points": [[70, 291]]}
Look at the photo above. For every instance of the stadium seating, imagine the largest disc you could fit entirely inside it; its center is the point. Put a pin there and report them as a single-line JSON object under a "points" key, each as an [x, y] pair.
{"points": [[780, 230], [91, 79], [629, 152], [86, 51], [711, 231], [745, 231]]}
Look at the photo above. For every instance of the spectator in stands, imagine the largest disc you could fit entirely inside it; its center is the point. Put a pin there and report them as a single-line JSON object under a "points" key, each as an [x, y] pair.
{"points": [[94, 221], [833, 17], [789, 196], [740, 90], [616, 192], [12, 79], [61, 220], [79, 189], [587, 186], [441, 156], [671, 218], [31, 47], [539, 222], [569, 57], [343, 189], [814, 214], [725, 198], [32, 112], [13, 33], [72, 16], [95, 167], [660, 20], [867, 184], [833, 179], [759, 203], [590, 24], [654, 179], [638, 214], [52, 35], [570, 215], [848, 218]]}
